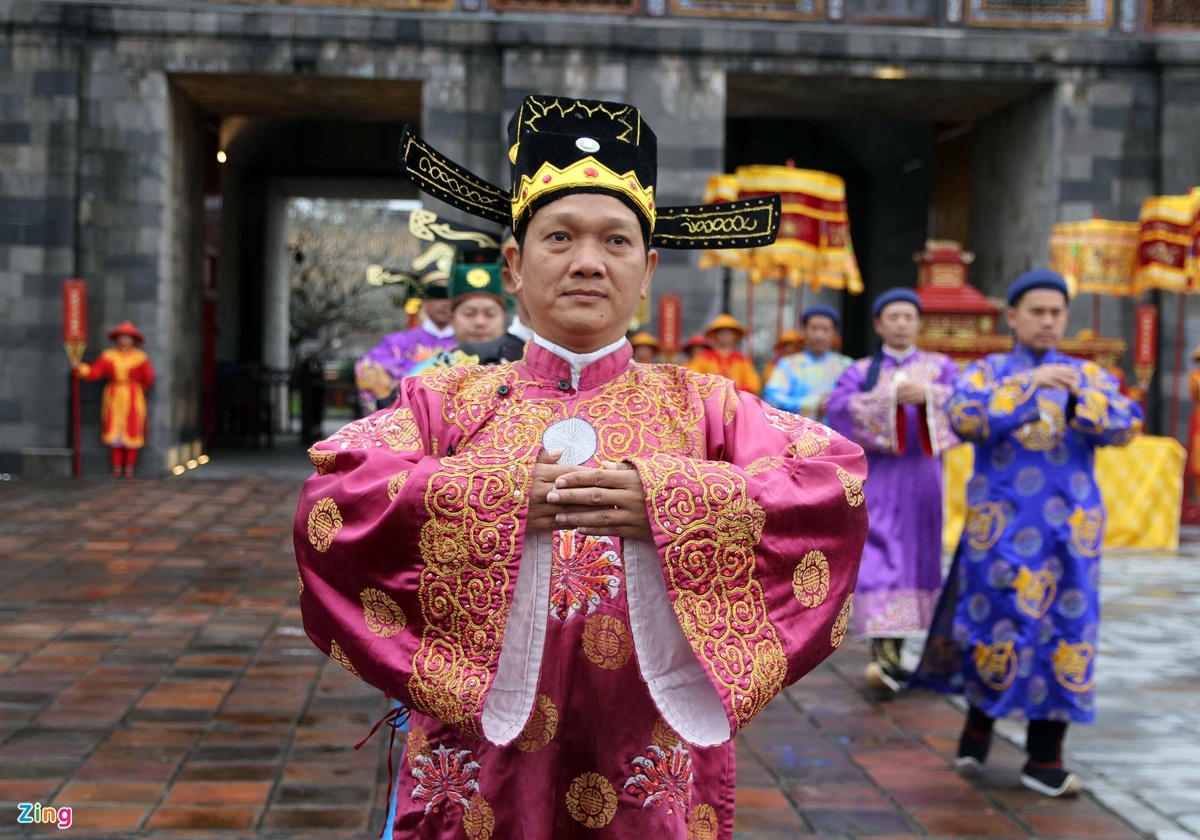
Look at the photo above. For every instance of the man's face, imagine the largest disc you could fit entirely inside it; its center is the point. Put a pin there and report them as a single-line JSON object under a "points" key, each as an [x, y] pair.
{"points": [[582, 270], [1039, 320], [818, 334], [725, 338], [438, 311], [478, 318], [898, 325], [787, 348], [643, 354], [124, 341]]}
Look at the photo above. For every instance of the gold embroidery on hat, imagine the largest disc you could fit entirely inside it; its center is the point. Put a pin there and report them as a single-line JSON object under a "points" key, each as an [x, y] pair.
{"points": [[587, 172]]}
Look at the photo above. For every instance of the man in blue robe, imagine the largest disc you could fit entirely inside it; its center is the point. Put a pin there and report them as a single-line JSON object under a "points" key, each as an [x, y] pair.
{"points": [[801, 383], [1016, 629]]}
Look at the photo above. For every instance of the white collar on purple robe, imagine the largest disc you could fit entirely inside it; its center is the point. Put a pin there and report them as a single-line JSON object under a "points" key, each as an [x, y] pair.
{"points": [[436, 331], [578, 361], [899, 356]]}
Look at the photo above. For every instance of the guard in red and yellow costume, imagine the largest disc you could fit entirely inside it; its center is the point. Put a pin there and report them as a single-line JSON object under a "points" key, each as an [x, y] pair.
{"points": [[724, 333], [123, 408]]}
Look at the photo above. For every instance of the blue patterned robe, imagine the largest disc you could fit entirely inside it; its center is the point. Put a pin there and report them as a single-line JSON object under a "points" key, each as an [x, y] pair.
{"points": [[800, 381], [1017, 626]]}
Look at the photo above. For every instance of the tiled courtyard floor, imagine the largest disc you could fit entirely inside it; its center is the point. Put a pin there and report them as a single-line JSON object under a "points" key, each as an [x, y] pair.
{"points": [[154, 677]]}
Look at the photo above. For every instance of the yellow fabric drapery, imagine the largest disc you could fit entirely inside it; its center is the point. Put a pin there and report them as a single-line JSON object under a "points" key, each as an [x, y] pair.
{"points": [[813, 247], [1142, 486], [1098, 256], [1169, 228]]}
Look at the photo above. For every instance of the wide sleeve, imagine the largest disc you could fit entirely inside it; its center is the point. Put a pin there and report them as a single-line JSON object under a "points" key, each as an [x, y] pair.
{"points": [[866, 417], [982, 406], [407, 555], [758, 544], [784, 389], [1102, 412], [937, 435]]}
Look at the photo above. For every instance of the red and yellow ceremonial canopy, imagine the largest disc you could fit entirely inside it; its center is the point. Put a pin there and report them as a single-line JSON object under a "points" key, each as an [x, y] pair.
{"points": [[1169, 243], [813, 247]]}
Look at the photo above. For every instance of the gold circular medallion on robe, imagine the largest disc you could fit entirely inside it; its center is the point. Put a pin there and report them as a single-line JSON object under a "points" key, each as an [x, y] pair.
{"points": [[838, 634], [853, 485], [339, 656], [324, 522], [985, 524], [810, 581], [607, 642], [478, 820], [702, 823], [996, 664], [592, 800], [542, 726], [383, 615]]}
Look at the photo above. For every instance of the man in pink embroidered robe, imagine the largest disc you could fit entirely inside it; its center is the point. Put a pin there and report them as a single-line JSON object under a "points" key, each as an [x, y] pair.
{"points": [[577, 664]]}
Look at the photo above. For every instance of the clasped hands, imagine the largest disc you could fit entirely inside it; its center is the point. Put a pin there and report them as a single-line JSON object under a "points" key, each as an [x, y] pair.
{"points": [[1057, 377], [608, 501]]}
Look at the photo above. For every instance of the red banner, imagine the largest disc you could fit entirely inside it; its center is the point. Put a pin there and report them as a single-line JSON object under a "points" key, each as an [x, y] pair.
{"points": [[669, 307], [1145, 335], [74, 318]]}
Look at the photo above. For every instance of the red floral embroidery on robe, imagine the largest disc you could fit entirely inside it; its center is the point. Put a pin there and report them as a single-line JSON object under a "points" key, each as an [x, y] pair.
{"points": [[583, 570]]}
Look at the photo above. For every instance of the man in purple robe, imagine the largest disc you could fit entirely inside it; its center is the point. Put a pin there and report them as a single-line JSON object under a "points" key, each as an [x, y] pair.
{"points": [[893, 404], [582, 575], [377, 372]]}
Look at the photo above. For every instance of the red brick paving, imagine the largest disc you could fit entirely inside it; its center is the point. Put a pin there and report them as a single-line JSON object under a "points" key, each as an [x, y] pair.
{"points": [[154, 676]]}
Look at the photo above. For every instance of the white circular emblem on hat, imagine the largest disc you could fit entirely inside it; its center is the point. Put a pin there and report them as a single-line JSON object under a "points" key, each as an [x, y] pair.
{"points": [[587, 144]]}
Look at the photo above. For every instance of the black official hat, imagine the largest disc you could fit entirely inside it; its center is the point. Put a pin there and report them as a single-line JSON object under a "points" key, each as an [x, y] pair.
{"points": [[559, 146]]}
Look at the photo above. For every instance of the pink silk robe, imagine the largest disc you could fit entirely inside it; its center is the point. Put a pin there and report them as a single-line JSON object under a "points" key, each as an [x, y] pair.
{"points": [[567, 686]]}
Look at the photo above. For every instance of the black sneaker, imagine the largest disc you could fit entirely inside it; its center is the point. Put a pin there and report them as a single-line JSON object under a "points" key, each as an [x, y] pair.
{"points": [[972, 753], [886, 677], [1051, 781]]}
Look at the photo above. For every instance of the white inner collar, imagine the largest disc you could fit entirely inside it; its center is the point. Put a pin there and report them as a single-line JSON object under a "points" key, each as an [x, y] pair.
{"points": [[578, 361], [899, 355], [435, 331], [520, 329]]}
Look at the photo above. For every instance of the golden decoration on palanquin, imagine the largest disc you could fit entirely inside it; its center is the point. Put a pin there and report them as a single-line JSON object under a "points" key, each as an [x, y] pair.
{"points": [[664, 736], [996, 664], [813, 245], [591, 800], [542, 726], [324, 522], [395, 483], [985, 524], [765, 464], [1072, 665], [383, 615], [339, 656], [607, 642], [325, 462], [810, 581], [702, 823], [416, 744], [478, 820], [1087, 527], [1169, 227], [853, 485], [1035, 591], [1047, 431], [838, 634], [1096, 256]]}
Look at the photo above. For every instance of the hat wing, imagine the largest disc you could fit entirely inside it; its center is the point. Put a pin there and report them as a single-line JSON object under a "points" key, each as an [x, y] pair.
{"points": [[749, 223], [442, 178]]}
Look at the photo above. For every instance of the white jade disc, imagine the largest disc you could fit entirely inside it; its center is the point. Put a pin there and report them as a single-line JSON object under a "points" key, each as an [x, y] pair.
{"points": [[575, 437]]}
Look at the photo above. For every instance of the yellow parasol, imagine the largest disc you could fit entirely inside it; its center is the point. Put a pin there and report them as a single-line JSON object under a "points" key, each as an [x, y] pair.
{"points": [[1097, 257], [813, 248]]}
